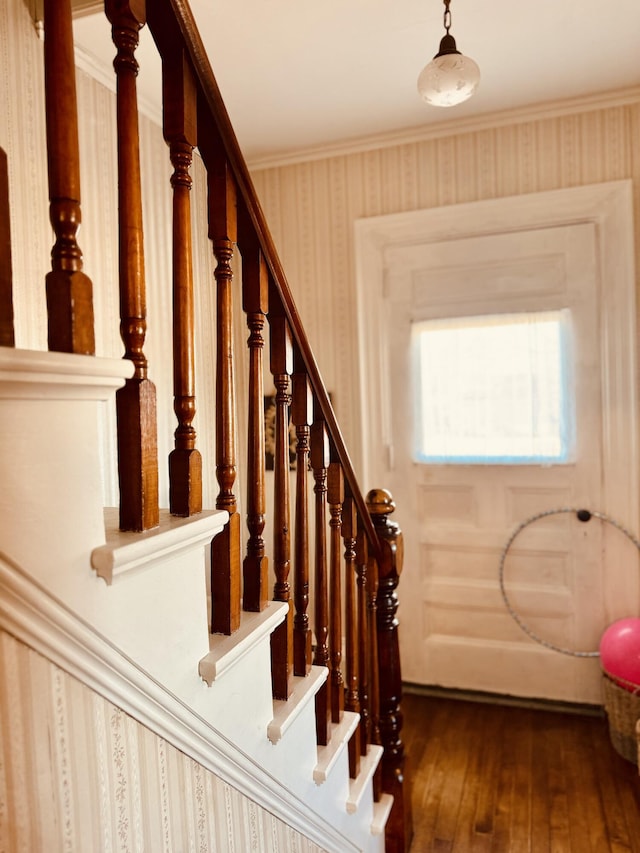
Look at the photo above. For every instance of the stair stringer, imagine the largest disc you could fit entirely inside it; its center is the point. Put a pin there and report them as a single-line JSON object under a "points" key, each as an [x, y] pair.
{"points": [[135, 626], [35, 618]]}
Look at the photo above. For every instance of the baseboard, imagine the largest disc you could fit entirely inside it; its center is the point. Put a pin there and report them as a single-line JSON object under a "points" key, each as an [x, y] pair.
{"points": [[501, 699]]}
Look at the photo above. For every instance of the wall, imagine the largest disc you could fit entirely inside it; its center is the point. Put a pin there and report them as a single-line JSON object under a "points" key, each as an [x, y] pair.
{"points": [[311, 207], [22, 135], [77, 773]]}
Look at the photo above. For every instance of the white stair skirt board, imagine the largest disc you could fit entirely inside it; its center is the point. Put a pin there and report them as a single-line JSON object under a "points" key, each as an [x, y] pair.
{"points": [[286, 712], [37, 619], [329, 754], [51, 499], [135, 626]]}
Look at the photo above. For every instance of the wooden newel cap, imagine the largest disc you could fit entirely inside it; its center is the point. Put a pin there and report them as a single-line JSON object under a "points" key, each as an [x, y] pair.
{"points": [[380, 502]]}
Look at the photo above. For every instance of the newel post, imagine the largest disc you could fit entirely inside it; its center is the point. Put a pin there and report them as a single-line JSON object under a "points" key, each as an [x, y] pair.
{"points": [[399, 826]]}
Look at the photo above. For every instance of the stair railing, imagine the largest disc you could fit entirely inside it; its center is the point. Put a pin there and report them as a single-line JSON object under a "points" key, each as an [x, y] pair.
{"points": [[356, 554]]}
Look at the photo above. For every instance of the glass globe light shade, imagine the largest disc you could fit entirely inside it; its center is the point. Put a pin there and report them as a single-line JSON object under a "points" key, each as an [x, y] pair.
{"points": [[449, 79]]}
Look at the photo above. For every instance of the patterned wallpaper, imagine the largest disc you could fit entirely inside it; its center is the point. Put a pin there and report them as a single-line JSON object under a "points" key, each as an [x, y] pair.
{"points": [[78, 774], [311, 207]]}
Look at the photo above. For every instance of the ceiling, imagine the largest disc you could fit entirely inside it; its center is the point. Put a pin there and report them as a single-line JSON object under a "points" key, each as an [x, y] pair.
{"points": [[298, 75]]}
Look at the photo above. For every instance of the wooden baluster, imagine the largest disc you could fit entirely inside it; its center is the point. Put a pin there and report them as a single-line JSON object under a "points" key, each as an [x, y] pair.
{"points": [[255, 296], [180, 132], [319, 464], [225, 548], [362, 555], [136, 401], [301, 416], [69, 289], [282, 637], [399, 825], [7, 337], [373, 667], [335, 493], [352, 694]]}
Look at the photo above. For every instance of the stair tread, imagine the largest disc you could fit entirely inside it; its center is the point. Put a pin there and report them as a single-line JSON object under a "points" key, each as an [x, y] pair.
{"points": [[285, 712], [328, 755], [357, 786], [124, 551], [225, 651], [381, 812]]}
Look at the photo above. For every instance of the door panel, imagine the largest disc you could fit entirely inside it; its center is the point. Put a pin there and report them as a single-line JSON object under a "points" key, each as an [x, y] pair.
{"points": [[458, 518]]}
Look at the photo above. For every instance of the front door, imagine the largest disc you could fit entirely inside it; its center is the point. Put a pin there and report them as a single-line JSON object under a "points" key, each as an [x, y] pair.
{"points": [[565, 579]]}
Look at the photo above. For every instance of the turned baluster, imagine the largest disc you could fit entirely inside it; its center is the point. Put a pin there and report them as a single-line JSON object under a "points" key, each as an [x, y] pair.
{"points": [[319, 465], [281, 351], [225, 547], [399, 825], [362, 555], [68, 288], [352, 695], [335, 493], [136, 401], [301, 417], [255, 297], [180, 132], [373, 667], [7, 337]]}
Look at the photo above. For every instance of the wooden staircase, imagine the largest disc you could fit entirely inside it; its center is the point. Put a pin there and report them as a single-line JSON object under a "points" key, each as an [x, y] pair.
{"points": [[139, 602]]}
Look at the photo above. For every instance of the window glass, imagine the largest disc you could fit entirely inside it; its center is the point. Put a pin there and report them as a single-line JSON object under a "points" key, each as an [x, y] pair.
{"points": [[493, 389]]}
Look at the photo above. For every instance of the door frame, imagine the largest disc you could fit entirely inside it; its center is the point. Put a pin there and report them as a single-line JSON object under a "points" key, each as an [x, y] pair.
{"points": [[609, 206]]}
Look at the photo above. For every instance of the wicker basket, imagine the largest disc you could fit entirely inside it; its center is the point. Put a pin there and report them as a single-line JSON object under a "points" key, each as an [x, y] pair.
{"points": [[623, 713]]}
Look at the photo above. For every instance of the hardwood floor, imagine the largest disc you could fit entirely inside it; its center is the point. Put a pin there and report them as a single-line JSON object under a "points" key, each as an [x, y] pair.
{"points": [[500, 779]]}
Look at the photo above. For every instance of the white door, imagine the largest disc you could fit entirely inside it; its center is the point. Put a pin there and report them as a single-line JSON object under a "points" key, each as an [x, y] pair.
{"points": [[565, 579]]}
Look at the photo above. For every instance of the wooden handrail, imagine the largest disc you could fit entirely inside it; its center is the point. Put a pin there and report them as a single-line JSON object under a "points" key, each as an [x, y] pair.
{"points": [[7, 334], [160, 15]]}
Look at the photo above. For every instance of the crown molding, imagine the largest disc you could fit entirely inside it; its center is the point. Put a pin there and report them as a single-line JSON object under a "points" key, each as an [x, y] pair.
{"points": [[452, 127], [79, 8], [105, 75]]}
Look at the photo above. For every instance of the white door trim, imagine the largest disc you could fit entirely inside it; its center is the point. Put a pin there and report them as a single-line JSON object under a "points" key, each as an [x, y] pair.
{"points": [[609, 206]]}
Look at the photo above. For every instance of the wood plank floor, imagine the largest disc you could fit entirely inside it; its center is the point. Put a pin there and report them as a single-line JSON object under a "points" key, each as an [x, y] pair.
{"points": [[500, 779]]}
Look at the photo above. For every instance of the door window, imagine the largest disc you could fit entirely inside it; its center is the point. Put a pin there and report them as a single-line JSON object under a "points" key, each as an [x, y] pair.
{"points": [[493, 389]]}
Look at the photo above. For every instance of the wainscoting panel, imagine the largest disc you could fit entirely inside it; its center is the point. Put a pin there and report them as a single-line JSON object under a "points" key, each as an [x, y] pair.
{"points": [[78, 773]]}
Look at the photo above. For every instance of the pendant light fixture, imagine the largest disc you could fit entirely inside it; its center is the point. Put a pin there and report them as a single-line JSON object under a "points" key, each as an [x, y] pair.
{"points": [[450, 78]]}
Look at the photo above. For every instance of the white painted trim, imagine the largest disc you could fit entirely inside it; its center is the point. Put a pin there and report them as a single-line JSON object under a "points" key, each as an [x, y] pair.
{"points": [[225, 651], [609, 206], [105, 75], [452, 127], [79, 8], [358, 786], [285, 712], [42, 622], [40, 374], [125, 551], [381, 812], [329, 754]]}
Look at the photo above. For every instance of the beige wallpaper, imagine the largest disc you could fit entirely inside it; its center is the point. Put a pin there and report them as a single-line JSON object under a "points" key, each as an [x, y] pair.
{"points": [[311, 208], [78, 774]]}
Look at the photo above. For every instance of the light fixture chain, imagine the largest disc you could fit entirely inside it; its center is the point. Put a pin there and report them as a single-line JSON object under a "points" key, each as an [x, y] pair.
{"points": [[447, 16]]}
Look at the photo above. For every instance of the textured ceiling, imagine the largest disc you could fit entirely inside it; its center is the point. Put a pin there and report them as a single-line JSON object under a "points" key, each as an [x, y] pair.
{"points": [[297, 74]]}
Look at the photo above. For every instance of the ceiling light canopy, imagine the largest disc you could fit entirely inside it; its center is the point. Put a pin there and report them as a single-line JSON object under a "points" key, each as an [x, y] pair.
{"points": [[450, 78]]}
